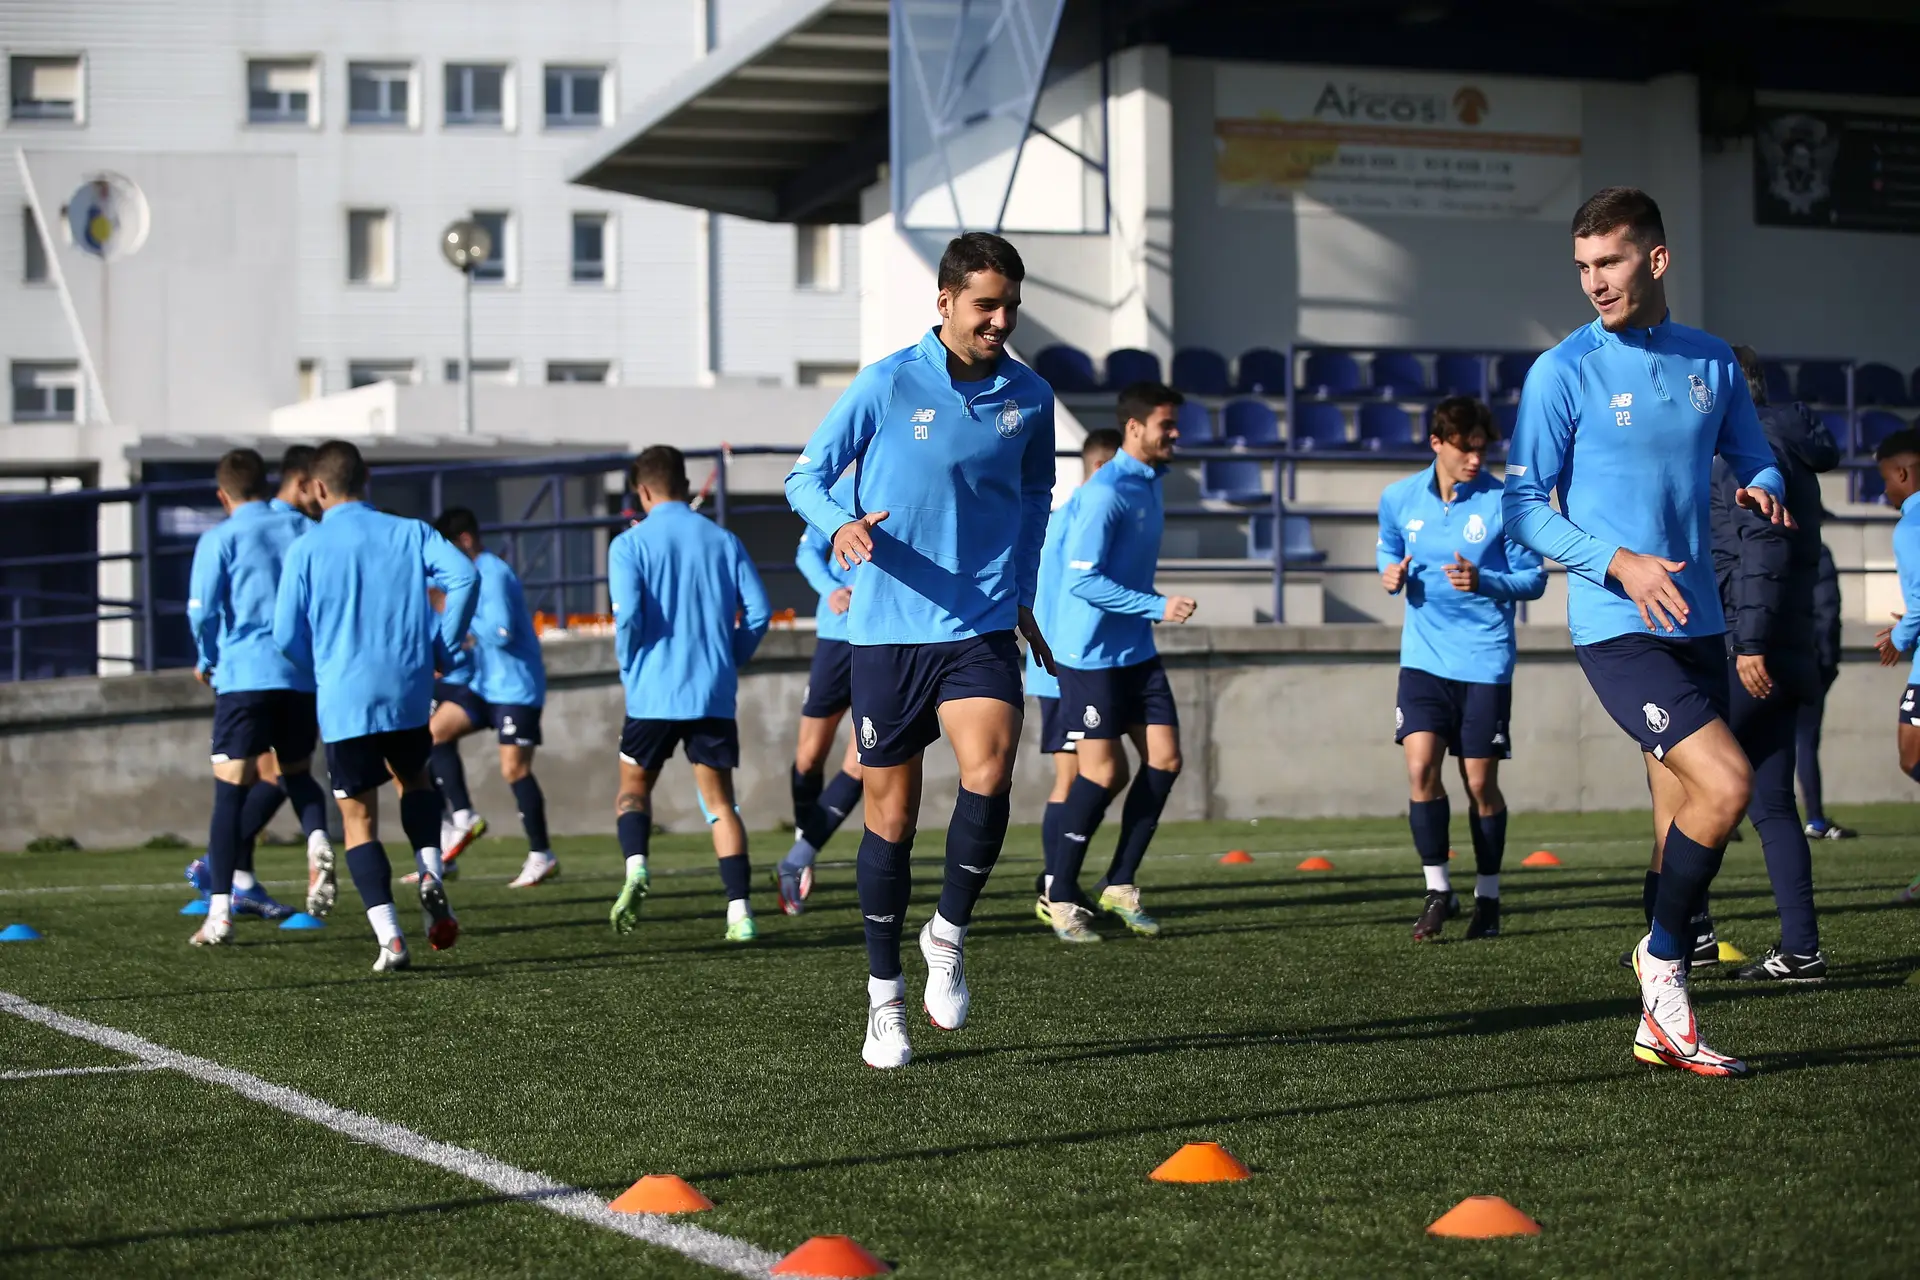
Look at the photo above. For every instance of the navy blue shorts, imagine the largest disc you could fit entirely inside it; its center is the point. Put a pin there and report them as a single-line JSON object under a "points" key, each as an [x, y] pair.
{"points": [[1470, 717], [246, 724], [1909, 708], [1660, 689], [829, 681], [1105, 703], [356, 766], [1054, 737], [518, 726], [713, 741], [898, 689]]}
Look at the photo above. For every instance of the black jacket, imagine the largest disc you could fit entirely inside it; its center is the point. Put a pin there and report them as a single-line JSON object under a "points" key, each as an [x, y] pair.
{"points": [[1768, 574], [1826, 618]]}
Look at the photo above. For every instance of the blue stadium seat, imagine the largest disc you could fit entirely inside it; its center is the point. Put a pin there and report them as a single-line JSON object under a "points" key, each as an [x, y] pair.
{"points": [[1458, 375], [1296, 540], [1504, 416], [1251, 422], [1066, 369], [1200, 371], [1129, 364], [1385, 427], [1822, 382], [1876, 425], [1263, 372], [1779, 385], [1231, 479], [1836, 424], [1398, 373], [1318, 425], [1330, 373], [1879, 384], [1510, 371], [1196, 423]]}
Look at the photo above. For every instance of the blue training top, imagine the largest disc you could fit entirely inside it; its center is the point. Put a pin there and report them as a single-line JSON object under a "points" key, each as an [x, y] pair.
{"points": [[1105, 617], [821, 568], [1624, 427], [688, 612], [510, 670], [236, 576], [353, 609], [1906, 559], [964, 471], [1456, 635], [1047, 593]]}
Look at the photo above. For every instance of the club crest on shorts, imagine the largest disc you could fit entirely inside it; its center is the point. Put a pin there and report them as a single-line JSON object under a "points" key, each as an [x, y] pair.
{"points": [[867, 736], [1399, 718], [1476, 530], [1657, 718], [1091, 717], [1699, 393], [1008, 423]]}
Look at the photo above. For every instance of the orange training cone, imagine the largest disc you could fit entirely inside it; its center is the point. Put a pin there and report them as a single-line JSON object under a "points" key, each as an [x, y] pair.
{"points": [[836, 1256], [1483, 1218], [1201, 1162], [661, 1193], [1315, 863], [1540, 858], [1449, 855], [1236, 857]]}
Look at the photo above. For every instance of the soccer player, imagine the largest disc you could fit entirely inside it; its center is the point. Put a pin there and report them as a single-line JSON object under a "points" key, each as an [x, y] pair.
{"points": [[1826, 632], [506, 690], [1443, 542], [350, 611], [688, 612], [954, 444], [818, 810], [296, 482], [1621, 422], [1899, 459], [1057, 739], [1112, 684], [262, 702]]}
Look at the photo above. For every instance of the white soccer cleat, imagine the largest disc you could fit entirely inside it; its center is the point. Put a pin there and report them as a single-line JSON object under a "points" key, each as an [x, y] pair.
{"points": [[947, 998], [393, 957], [1665, 1007], [537, 867], [1703, 1062], [212, 934], [323, 885], [887, 1046]]}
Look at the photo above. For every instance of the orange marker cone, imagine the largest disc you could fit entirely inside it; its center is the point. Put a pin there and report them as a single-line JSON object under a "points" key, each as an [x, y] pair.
{"points": [[1449, 855], [1315, 863], [1540, 858], [1483, 1218], [661, 1193], [1236, 857], [1201, 1162], [836, 1256]]}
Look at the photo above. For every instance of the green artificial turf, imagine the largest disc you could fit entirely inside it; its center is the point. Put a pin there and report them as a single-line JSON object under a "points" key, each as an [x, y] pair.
{"points": [[1369, 1083]]}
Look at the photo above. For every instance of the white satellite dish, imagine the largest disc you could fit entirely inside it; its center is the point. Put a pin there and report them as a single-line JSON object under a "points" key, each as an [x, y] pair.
{"points": [[108, 216]]}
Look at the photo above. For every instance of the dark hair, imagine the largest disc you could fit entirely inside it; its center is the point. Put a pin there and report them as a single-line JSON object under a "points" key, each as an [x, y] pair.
{"points": [[1898, 445], [338, 465], [978, 251], [663, 469], [1616, 207], [455, 521], [1140, 399], [1102, 440], [1756, 373], [296, 461], [1459, 418], [241, 475]]}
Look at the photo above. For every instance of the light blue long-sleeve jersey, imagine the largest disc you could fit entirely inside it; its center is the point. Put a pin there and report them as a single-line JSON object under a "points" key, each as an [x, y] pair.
{"points": [[1906, 559], [1456, 635], [1624, 427], [678, 583], [509, 669], [1047, 592], [236, 577], [821, 568], [964, 471], [353, 609], [1105, 616]]}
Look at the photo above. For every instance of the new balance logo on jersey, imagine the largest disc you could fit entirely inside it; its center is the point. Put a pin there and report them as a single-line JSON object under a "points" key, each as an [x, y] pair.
{"points": [[1622, 401], [922, 415], [922, 424]]}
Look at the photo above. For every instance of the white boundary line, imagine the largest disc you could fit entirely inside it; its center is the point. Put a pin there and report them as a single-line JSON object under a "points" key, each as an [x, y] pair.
{"points": [[47, 1072], [712, 1248]]}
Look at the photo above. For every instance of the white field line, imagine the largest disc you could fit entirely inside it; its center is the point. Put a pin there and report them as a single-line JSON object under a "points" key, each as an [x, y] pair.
{"points": [[46, 1072], [710, 1247]]}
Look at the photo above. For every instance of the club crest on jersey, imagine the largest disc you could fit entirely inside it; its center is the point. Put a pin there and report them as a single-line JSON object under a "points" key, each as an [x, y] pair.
{"points": [[868, 738], [1008, 423], [1092, 717], [1476, 530], [1657, 718], [1699, 393]]}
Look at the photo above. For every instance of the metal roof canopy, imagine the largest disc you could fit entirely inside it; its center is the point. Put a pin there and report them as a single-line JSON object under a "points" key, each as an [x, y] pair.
{"points": [[786, 125]]}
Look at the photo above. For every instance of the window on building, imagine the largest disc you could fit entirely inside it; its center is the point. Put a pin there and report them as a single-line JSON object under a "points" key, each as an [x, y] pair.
{"points": [[487, 373], [574, 97], [816, 257], [46, 392], [364, 373], [369, 246], [282, 91], [310, 380], [476, 94], [379, 93], [590, 249], [825, 374], [579, 371], [45, 88], [498, 268], [33, 249]]}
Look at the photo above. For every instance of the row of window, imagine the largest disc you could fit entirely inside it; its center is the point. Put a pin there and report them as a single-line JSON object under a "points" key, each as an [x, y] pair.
{"points": [[381, 94]]}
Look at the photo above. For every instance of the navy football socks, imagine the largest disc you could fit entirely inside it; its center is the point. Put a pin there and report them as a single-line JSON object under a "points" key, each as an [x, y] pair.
{"points": [[736, 873], [1489, 841], [884, 876], [1687, 868], [450, 775], [1429, 820], [223, 834], [533, 812], [1080, 815], [1649, 890], [829, 809], [309, 801], [263, 801], [1050, 837], [974, 837], [806, 793], [1139, 818], [420, 818], [372, 874], [636, 832]]}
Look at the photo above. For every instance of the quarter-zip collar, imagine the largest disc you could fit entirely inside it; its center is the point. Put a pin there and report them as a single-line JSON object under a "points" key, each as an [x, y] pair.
{"points": [[1643, 339], [350, 504], [1132, 466], [969, 392], [1911, 505]]}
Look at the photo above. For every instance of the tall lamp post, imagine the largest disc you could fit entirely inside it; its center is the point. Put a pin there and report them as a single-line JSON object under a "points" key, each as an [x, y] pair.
{"points": [[465, 245]]}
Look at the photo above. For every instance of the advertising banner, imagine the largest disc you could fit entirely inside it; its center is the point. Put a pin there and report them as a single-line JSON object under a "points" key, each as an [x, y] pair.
{"points": [[1847, 170]]}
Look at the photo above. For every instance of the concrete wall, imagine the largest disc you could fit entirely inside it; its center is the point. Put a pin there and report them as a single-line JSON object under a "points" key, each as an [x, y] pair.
{"points": [[1279, 721]]}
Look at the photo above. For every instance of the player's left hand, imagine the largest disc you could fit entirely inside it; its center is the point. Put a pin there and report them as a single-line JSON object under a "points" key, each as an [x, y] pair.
{"points": [[841, 600], [1031, 630], [1752, 668], [1760, 502], [204, 676], [1883, 644], [1463, 573]]}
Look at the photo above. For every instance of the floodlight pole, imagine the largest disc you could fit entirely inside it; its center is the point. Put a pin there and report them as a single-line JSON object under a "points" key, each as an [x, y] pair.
{"points": [[466, 350]]}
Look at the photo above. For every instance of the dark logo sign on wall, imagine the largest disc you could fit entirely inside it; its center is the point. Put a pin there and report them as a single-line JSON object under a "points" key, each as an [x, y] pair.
{"points": [[1848, 170]]}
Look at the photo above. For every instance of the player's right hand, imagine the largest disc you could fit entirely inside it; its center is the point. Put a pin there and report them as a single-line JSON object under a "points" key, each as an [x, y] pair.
{"points": [[1648, 582], [1883, 645], [841, 600], [1180, 608], [1394, 576], [853, 541]]}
